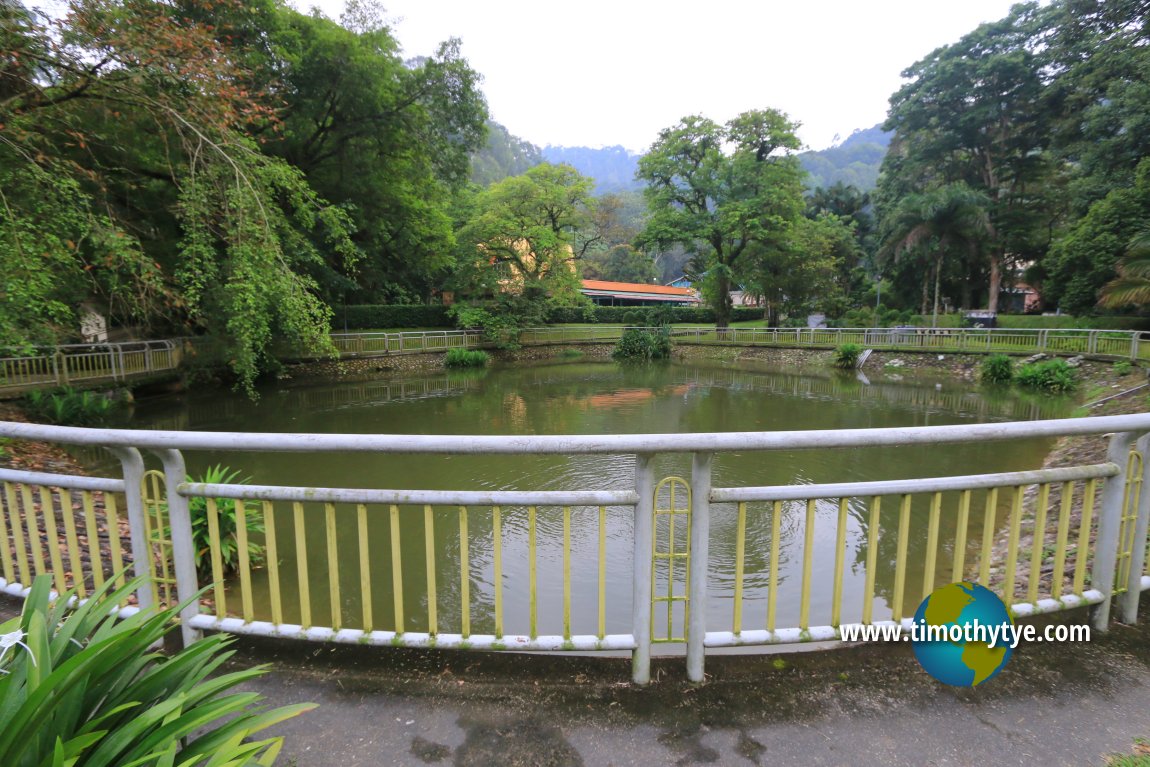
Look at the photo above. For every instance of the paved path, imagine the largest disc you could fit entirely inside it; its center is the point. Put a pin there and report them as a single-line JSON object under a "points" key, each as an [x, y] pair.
{"points": [[1052, 705]]}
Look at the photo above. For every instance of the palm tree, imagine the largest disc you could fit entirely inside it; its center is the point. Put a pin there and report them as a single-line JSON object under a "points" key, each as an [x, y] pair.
{"points": [[1132, 285], [938, 223]]}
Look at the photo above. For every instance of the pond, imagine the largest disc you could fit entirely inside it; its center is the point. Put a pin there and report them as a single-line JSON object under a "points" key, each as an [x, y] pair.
{"points": [[577, 397]]}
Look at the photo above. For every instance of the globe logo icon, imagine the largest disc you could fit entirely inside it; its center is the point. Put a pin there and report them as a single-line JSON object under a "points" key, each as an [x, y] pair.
{"points": [[961, 637]]}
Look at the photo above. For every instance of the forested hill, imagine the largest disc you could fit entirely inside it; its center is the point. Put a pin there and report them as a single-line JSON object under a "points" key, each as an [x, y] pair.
{"points": [[856, 161], [503, 155], [613, 167]]}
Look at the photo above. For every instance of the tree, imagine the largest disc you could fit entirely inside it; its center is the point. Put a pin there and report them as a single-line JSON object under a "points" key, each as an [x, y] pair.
{"points": [[622, 263], [944, 222], [723, 192], [1132, 286], [972, 113], [388, 140], [126, 154], [525, 236], [1085, 257]]}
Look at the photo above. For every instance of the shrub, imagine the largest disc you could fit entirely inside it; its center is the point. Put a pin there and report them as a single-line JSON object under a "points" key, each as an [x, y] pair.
{"points": [[67, 407], [659, 316], [226, 507], [362, 316], [84, 689], [996, 368], [643, 345], [465, 358], [1123, 368], [847, 356], [499, 328], [633, 317], [1053, 376]]}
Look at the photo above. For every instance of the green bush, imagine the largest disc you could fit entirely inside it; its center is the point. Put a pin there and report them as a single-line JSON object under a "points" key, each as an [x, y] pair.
{"points": [[633, 317], [1123, 367], [499, 327], [226, 507], [643, 345], [847, 356], [615, 315], [362, 316], [85, 689], [997, 368], [1053, 376], [67, 407], [465, 358]]}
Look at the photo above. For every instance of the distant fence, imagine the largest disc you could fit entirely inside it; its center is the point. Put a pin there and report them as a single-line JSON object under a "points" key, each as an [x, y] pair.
{"points": [[91, 363], [87, 363]]}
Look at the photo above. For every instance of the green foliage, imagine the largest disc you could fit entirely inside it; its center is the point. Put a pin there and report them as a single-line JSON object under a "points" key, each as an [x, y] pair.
{"points": [[996, 369], [523, 239], [394, 316], [866, 317], [68, 407], [85, 689], [229, 540], [499, 324], [465, 358], [1086, 257], [1123, 367], [659, 316], [1052, 376], [846, 356], [730, 193], [637, 344], [633, 317]]}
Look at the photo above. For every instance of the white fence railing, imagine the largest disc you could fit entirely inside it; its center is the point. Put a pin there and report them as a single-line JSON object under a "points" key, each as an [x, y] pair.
{"points": [[1088, 547]]}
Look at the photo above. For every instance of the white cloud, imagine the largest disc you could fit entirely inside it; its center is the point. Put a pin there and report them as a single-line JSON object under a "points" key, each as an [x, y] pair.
{"points": [[609, 72]]}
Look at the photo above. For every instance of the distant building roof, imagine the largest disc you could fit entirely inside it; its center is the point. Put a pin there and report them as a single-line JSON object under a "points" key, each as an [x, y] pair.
{"points": [[638, 290]]}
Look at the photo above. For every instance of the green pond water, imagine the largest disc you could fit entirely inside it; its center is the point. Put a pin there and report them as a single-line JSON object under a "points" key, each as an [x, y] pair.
{"points": [[598, 398]]}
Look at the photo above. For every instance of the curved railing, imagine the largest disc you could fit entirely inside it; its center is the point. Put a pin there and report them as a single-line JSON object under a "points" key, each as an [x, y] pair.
{"points": [[86, 363], [335, 556]]}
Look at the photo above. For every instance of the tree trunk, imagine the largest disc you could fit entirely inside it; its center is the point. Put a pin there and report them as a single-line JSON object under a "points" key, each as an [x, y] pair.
{"points": [[995, 282], [937, 280], [925, 305], [723, 302]]}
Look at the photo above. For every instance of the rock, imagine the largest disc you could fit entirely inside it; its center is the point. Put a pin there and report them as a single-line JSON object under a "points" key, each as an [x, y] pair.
{"points": [[1074, 362], [1034, 358], [895, 364]]}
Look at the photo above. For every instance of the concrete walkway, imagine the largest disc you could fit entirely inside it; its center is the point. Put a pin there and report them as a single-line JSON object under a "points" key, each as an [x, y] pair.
{"points": [[1052, 705]]}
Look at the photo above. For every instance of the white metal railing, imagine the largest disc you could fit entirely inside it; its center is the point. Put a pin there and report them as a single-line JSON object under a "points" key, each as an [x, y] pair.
{"points": [[85, 363], [1134, 345], [1098, 558]]}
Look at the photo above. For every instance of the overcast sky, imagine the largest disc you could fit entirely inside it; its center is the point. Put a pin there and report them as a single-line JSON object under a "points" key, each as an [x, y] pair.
{"points": [[606, 72]]}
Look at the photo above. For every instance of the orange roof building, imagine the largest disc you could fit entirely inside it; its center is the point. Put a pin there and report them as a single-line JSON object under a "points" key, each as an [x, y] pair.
{"points": [[604, 293]]}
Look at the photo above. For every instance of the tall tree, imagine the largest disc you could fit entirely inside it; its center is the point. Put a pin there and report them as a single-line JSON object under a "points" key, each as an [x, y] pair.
{"points": [[949, 221], [723, 192], [972, 113], [389, 140], [526, 235], [126, 152]]}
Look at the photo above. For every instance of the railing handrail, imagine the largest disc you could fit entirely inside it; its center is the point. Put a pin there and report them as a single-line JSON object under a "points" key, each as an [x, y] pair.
{"points": [[610, 444]]}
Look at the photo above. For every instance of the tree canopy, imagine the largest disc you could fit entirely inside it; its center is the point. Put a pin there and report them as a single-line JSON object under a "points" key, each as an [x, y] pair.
{"points": [[729, 193]]}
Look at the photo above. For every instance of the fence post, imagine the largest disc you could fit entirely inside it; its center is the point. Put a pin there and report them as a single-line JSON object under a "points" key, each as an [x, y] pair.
{"points": [[60, 364], [183, 551], [1128, 607], [1109, 523], [641, 589], [133, 467], [698, 559]]}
